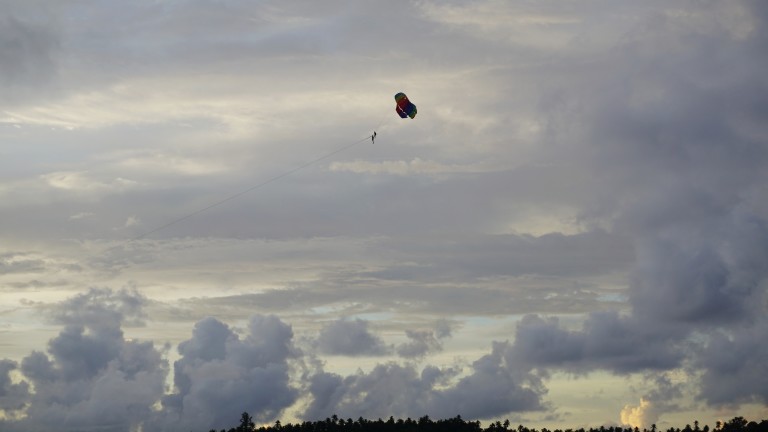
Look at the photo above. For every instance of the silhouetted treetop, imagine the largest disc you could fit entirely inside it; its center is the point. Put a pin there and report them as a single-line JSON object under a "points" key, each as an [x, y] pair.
{"points": [[457, 424]]}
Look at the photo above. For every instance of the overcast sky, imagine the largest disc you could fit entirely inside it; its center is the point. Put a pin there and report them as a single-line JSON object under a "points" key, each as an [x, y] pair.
{"points": [[573, 231]]}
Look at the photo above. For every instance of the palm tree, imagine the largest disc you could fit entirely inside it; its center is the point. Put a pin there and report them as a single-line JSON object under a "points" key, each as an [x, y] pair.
{"points": [[246, 423]]}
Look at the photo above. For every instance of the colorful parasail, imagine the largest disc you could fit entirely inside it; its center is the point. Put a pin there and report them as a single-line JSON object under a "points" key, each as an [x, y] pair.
{"points": [[404, 107]]}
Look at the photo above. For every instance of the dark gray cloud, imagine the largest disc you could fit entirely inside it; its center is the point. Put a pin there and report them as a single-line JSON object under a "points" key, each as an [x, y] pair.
{"points": [[665, 393], [424, 341], [220, 375], [18, 263], [13, 396], [350, 337], [27, 53], [102, 308], [608, 341], [677, 175], [493, 388], [420, 343], [327, 390], [713, 282], [734, 366], [91, 375]]}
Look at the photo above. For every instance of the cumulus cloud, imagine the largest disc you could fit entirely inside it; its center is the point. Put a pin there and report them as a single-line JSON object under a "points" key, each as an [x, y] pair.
{"points": [[665, 393], [607, 341], [641, 416], [13, 396], [714, 279], [102, 309], [494, 387], [676, 178], [735, 367], [423, 342], [221, 375], [91, 376], [350, 337], [675, 290]]}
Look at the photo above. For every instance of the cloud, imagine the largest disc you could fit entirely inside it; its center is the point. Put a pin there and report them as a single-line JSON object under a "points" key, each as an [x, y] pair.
{"points": [[102, 309], [494, 387], [713, 279], [81, 215], [562, 155], [665, 391], [606, 341], [423, 342], [111, 382], [11, 263], [553, 254], [327, 390], [512, 24], [27, 55], [350, 337], [132, 221], [92, 376], [13, 396], [735, 367], [416, 166], [81, 183], [641, 416], [677, 177], [221, 375]]}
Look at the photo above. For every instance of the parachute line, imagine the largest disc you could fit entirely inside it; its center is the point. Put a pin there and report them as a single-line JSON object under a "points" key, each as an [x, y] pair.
{"points": [[245, 191]]}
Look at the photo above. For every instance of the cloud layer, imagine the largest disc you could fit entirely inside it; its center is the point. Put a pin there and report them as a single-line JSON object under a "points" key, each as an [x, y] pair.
{"points": [[581, 196]]}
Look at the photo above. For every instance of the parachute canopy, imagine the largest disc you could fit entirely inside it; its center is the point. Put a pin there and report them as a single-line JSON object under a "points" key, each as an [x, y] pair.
{"points": [[404, 107]]}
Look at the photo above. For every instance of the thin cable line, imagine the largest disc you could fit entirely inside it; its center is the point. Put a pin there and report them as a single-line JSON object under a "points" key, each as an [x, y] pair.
{"points": [[238, 194]]}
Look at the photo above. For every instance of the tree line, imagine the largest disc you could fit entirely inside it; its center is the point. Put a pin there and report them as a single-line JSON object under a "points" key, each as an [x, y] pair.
{"points": [[457, 424]]}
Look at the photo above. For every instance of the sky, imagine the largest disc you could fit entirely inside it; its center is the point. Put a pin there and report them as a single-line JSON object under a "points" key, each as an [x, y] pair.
{"points": [[194, 223]]}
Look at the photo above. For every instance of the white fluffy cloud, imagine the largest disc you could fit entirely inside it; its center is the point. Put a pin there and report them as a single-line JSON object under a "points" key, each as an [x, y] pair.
{"points": [[641, 416]]}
